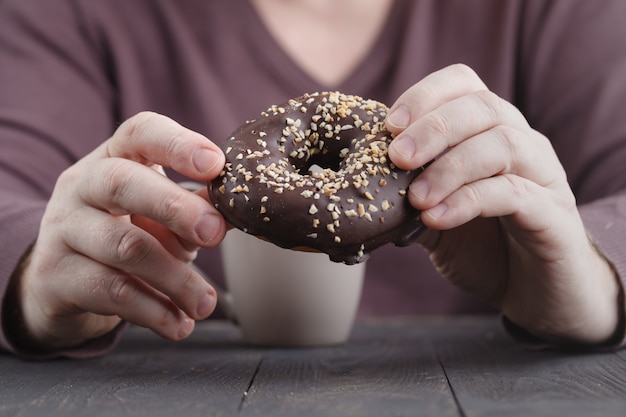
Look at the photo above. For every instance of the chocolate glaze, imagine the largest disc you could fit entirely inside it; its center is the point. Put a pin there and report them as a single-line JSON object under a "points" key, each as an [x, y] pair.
{"points": [[313, 174]]}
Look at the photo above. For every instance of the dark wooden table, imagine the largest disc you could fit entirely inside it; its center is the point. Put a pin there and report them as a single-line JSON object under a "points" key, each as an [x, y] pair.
{"points": [[401, 367]]}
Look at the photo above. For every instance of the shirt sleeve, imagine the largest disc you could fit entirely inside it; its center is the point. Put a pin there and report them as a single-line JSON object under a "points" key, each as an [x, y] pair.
{"points": [[572, 88], [49, 69]]}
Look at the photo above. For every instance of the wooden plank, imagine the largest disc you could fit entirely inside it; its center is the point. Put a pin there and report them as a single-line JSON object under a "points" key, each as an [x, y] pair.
{"points": [[435, 367], [388, 370], [145, 376], [492, 376]]}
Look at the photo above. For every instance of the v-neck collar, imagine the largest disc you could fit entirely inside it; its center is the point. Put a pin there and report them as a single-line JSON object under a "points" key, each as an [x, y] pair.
{"points": [[278, 62]]}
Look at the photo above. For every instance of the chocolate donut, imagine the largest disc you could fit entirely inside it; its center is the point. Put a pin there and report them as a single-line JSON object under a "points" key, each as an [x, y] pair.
{"points": [[313, 174]]}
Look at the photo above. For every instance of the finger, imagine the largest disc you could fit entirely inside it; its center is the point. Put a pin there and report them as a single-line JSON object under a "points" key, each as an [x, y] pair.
{"points": [[150, 138], [182, 249], [117, 243], [499, 196], [106, 291], [432, 91], [501, 150], [120, 186], [450, 124]]}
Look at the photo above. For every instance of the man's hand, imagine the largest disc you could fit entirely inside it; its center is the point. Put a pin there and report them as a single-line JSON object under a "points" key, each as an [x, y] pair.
{"points": [[503, 221], [118, 237]]}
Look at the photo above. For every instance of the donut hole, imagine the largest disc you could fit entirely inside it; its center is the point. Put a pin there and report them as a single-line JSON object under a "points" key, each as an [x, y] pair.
{"points": [[317, 165]]}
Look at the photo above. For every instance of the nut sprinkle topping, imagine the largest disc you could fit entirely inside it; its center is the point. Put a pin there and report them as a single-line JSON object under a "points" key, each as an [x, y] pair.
{"points": [[313, 174]]}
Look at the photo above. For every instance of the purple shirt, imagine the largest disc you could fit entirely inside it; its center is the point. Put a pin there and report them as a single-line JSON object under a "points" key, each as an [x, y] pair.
{"points": [[71, 71]]}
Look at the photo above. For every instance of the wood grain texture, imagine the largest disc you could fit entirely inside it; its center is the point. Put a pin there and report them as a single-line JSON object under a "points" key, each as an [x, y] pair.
{"points": [[146, 376], [387, 370], [402, 367], [491, 376]]}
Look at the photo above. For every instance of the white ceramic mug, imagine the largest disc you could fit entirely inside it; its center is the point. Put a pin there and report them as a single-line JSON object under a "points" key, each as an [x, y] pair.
{"points": [[281, 297]]}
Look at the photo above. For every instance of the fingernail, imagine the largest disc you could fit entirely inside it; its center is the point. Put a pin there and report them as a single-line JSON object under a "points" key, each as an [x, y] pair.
{"points": [[204, 160], [400, 117], [207, 228], [420, 189], [205, 306], [437, 211], [405, 146], [190, 256], [186, 328]]}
